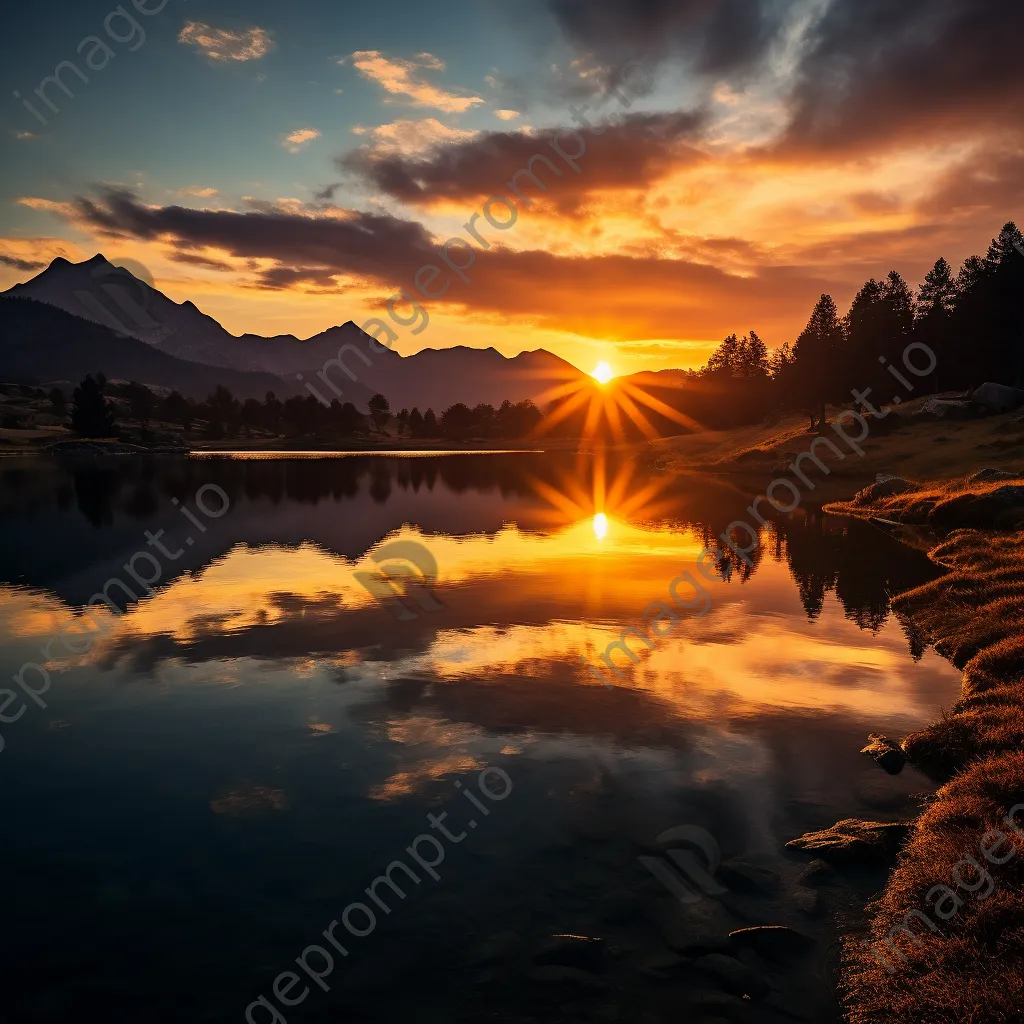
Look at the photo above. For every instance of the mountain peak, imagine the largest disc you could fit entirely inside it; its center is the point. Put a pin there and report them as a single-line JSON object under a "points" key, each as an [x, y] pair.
{"points": [[99, 260]]}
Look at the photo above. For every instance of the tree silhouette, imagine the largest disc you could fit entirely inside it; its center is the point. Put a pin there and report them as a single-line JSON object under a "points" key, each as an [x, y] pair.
{"points": [[379, 410], [141, 402], [92, 415], [816, 356]]}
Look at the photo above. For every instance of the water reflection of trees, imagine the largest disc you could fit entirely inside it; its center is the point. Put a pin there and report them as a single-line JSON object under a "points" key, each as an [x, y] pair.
{"points": [[857, 562]]}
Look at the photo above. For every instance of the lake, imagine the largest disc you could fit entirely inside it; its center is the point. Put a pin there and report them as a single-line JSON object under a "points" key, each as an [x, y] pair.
{"points": [[309, 671]]}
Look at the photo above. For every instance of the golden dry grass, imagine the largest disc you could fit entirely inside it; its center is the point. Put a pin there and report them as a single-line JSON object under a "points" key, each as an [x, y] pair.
{"points": [[972, 968]]}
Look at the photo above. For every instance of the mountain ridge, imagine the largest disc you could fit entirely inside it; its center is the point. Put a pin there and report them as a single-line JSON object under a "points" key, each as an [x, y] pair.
{"points": [[99, 292]]}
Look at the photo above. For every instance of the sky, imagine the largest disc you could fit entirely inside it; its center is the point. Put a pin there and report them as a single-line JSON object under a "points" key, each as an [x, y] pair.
{"points": [[703, 167]]}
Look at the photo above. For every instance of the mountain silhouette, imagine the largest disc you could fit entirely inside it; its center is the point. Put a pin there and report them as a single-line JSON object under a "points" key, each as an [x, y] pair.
{"points": [[132, 310]]}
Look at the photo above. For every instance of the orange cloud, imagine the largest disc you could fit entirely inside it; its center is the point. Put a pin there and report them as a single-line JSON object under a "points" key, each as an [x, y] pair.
{"points": [[404, 78], [222, 44]]}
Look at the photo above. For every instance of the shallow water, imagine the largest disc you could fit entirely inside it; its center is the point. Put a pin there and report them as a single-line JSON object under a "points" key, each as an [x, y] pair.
{"points": [[230, 760]]}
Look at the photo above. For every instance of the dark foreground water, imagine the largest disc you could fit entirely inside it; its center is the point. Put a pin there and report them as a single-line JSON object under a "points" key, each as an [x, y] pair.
{"points": [[256, 725]]}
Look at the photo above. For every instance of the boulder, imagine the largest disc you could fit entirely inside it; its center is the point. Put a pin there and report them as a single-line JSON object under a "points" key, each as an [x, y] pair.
{"points": [[887, 753], [855, 843], [997, 398], [988, 475], [884, 487], [1003, 506]]}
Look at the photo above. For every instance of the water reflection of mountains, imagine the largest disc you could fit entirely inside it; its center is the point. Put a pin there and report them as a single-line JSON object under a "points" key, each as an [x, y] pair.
{"points": [[71, 525]]}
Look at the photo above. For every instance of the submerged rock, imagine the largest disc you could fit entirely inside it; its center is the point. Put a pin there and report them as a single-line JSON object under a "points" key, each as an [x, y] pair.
{"points": [[750, 879], [494, 949], [818, 872], [581, 951], [737, 977], [808, 901], [774, 941], [853, 843], [886, 752], [569, 977]]}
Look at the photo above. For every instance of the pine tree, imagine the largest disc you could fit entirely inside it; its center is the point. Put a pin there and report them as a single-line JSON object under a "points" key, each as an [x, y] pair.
{"points": [[938, 292], [816, 359], [416, 422]]}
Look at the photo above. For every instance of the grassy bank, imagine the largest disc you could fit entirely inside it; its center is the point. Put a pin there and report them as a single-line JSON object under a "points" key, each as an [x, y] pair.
{"points": [[946, 941]]}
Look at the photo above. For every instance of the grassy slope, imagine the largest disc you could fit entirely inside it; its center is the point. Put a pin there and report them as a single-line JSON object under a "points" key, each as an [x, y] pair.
{"points": [[920, 450]]}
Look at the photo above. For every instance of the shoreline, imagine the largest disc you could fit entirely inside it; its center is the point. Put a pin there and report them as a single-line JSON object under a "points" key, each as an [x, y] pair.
{"points": [[944, 940]]}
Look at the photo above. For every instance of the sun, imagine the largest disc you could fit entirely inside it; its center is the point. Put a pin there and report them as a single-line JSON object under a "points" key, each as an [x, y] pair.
{"points": [[602, 373]]}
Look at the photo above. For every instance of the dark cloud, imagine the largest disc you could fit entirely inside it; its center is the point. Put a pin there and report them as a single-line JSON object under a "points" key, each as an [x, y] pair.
{"points": [[874, 72], [717, 37], [990, 180], [194, 259], [278, 278], [376, 246], [629, 154], [19, 264], [628, 296]]}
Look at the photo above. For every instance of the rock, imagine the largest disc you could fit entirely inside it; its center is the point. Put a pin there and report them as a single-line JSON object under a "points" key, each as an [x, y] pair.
{"points": [[886, 752], [734, 976], [774, 941], [581, 951], [494, 949], [987, 475], [818, 872], [569, 977], [884, 487], [1002, 506], [749, 879], [698, 928], [808, 902], [853, 843], [945, 408], [997, 398]]}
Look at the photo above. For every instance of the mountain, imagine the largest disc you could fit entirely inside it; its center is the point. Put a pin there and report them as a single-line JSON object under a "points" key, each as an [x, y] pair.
{"points": [[40, 343], [125, 306]]}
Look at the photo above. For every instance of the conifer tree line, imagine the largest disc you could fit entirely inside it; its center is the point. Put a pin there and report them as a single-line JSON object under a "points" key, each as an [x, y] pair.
{"points": [[971, 319]]}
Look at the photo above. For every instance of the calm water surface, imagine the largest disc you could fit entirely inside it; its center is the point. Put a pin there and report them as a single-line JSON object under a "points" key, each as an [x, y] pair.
{"points": [[236, 756]]}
